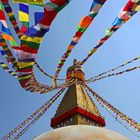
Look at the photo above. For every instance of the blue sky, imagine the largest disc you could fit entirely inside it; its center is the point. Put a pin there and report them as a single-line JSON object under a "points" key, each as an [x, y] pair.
{"points": [[16, 104]]}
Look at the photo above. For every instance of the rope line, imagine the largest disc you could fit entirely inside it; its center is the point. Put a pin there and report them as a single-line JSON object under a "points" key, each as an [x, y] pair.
{"points": [[40, 69], [120, 66], [118, 113], [113, 74], [37, 114], [34, 86]]}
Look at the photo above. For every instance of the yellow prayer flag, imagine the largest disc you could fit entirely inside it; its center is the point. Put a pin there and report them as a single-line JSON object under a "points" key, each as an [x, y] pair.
{"points": [[31, 39], [34, 2], [137, 8], [25, 64], [23, 17]]}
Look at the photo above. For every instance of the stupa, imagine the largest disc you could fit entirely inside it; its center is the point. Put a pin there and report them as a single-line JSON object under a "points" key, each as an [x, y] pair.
{"points": [[77, 117]]}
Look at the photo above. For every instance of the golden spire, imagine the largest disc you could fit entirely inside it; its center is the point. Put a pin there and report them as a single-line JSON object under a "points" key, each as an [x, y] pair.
{"points": [[77, 107]]}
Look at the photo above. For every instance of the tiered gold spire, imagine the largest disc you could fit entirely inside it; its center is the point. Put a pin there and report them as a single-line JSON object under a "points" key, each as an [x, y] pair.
{"points": [[77, 107]]}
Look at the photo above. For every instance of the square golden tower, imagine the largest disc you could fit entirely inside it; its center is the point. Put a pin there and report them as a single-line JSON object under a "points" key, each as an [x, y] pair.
{"points": [[77, 107]]}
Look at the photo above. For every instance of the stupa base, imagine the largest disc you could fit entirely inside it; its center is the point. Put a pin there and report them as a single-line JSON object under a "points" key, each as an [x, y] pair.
{"points": [[81, 132]]}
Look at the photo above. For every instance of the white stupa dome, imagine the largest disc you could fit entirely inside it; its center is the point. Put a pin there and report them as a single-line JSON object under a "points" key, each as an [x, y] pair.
{"points": [[81, 132]]}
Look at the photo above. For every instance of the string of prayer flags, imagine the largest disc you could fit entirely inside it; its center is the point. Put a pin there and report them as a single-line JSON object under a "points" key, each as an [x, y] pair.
{"points": [[45, 107], [7, 69], [49, 104], [11, 16], [32, 37], [113, 69], [118, 113], [7, 52], [7, 33], [81, 28], [34, 86], [41, 70], [130, 129], [112, 74], [131, 8], [24, 16], [30, 42], [59, 86], [117, 119]]}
